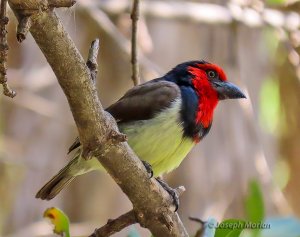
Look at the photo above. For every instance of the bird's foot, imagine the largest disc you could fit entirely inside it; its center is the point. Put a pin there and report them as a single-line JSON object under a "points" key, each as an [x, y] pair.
{"points": [[173, 192], [148, 168]]}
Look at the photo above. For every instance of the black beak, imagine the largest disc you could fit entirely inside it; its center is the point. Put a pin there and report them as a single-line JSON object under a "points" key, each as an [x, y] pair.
{"points": [[227, 90]]}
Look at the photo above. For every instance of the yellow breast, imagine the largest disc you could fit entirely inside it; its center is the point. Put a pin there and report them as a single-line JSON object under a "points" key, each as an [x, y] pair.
{"points": [[159, 140]]}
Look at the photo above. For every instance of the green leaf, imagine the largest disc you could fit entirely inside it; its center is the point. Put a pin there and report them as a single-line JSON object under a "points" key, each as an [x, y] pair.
{"points": [[234, 233], [230, 228], [269, 100], [254, 203], [60, 221]]}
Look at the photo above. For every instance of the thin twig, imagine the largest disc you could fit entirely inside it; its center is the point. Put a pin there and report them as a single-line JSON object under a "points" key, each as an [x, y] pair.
{"points": [[196, 219], [134, 62], [104, 23], [92, 59], [3, 51], [114, 136], [116, 225], [200, 231], [23, 28]]}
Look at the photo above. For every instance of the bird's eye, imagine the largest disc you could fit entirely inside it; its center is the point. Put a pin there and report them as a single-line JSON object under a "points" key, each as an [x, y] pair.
{"points": [[212, 74]]}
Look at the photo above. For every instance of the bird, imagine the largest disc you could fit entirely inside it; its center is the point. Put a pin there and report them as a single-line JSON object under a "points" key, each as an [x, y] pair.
{"points": [[163, 120]]}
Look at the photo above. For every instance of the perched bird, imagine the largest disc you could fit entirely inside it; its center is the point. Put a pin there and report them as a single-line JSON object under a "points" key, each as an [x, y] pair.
{"points": [[163, 119]]}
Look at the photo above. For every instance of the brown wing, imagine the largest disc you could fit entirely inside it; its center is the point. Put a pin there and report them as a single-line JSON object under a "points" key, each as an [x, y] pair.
{"points": [[144, 101], [141, 102]]}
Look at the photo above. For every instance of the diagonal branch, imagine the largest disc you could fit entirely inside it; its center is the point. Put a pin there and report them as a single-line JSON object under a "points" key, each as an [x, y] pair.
{"points": [[151, 203], [116, 225]]}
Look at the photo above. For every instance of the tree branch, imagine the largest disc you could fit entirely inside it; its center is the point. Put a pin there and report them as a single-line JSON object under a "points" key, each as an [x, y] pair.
{"points": [[3, 51], [151, 203], [135, 66], [116, 225], [123, 221], [23, 28], [92, 59]]}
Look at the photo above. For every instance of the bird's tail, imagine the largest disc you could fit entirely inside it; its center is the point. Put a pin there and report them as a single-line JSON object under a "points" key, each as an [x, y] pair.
{"points": [[54, 186], [58, 182]]}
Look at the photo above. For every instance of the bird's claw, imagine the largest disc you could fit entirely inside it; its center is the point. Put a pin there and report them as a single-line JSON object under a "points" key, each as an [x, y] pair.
{"points": [[148, 167], [173, 193]]}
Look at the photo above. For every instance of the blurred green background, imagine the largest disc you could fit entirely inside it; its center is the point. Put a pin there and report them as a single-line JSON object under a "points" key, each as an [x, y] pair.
{"points": [[257, 138]]}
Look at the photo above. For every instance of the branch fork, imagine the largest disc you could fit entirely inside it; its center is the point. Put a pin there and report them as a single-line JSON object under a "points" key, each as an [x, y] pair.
{"points": [[33, 8]]}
